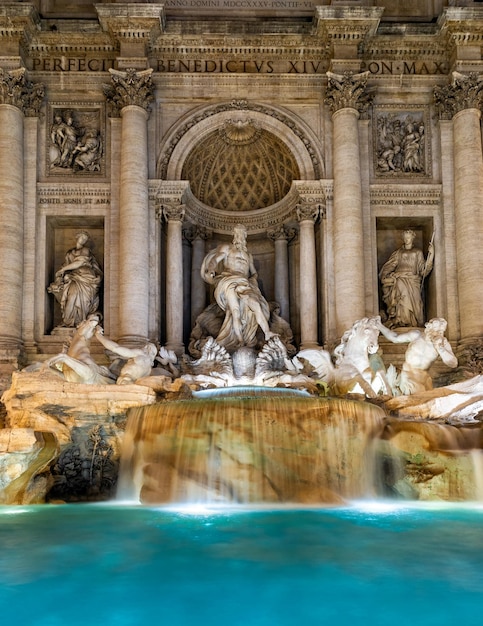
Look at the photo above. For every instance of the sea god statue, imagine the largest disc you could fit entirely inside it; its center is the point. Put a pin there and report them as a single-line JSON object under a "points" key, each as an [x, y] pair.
{"points": [[77, 282], [230, 268]]}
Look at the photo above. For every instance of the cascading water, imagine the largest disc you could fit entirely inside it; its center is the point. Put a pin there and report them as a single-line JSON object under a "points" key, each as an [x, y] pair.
{"points": [[250, 446], [261, 445]]}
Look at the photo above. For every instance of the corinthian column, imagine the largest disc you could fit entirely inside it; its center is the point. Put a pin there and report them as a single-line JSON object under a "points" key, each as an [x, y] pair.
{"points": [[174, 215], [130, 95], [197, 235], [307, 215], [281, 236], [462, 100], [347, 98], [17, 97]]}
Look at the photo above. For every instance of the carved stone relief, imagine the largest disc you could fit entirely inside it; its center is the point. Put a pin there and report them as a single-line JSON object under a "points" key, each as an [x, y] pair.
{"points": [[75, 140], [401, 145]]}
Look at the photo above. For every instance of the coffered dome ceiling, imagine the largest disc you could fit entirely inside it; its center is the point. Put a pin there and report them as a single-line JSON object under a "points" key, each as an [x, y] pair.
{"points": [[240, 167]]}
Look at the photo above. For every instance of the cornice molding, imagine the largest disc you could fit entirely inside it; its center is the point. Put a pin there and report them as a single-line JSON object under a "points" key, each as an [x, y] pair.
{"points": [[346, 23], [132, 21]]}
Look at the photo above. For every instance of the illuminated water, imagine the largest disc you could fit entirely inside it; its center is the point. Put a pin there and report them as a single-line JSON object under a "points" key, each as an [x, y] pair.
{"points": [[118, 565]]}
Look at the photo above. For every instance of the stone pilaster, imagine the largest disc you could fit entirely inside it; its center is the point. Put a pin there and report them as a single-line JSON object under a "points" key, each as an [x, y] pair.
{"points": [[347, 97], [174, 216], [130, 95], [462, 100], [307, 215], [18, 97], [281, 237]]}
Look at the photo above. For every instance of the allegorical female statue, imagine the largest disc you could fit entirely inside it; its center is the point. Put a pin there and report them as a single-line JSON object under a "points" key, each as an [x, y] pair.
{"points": [[401, 278], [77, 282]]}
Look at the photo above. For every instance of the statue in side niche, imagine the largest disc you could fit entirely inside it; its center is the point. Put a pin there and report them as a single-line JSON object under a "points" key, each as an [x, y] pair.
{"points": [[230, 268], [77, 282], [402, 278], [425, 346]]}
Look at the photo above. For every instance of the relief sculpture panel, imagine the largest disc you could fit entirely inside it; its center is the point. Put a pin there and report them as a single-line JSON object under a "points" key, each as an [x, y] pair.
{"points": [[401, 144], [74, 141]]}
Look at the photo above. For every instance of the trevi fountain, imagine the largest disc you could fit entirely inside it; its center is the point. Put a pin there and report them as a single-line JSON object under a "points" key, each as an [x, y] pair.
{"points": [[241, 332]]}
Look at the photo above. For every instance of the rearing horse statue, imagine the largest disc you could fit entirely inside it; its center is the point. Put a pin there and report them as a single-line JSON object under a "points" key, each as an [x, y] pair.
{"points": [[352, 371]]}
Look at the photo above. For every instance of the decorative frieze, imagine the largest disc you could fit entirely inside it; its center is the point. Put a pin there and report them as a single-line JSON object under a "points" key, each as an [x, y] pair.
{"points": [[17, 90], [348, 90], [131, 87]]}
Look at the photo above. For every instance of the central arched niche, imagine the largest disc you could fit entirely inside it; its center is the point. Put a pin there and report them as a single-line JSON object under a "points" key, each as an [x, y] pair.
{"points": [[240, 166], [243, 162]]}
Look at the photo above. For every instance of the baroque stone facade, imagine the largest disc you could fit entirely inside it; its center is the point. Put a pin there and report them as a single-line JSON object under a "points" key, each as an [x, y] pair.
{"points": [[327, 128]]}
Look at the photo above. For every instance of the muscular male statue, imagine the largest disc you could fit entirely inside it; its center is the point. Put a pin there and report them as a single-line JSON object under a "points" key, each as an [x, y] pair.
{"points": [[231, 269]]}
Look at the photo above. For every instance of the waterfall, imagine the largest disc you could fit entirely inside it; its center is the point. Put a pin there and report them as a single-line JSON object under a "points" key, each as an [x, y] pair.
{"points": [[250, 446]]}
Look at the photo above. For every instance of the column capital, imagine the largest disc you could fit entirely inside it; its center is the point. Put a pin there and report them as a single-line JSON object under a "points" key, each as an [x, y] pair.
{"points": [[281, 233], [129, 88], [195, 232], [17, 91], [172, 212], [464, 92], [308, 210], [348, 90]]}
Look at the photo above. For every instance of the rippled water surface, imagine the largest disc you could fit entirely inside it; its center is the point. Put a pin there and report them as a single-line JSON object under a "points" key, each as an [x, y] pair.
{"points": [[117, 565]]}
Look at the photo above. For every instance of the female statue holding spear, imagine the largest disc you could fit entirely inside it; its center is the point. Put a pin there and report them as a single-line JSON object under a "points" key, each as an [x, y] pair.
{"points": [[402, 279]]}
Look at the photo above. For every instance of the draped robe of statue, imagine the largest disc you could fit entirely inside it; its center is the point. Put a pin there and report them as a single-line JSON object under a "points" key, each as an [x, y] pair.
{"points": [[237, 293], [77, 282], [401, 277]]}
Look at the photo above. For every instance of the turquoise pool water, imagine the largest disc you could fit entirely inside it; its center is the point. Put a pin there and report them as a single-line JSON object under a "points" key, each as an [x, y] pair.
{"points": [[122, 565]]}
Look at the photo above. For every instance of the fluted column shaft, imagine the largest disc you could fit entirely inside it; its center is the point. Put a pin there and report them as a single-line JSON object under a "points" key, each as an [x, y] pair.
{"points": [[174, 216], [11, 230], [462, 100], [347, 98], [307, 216], [134, 226], [348, 226], [468, 168], [18, 97], [198, 287], [280, 237], [130, 95]]}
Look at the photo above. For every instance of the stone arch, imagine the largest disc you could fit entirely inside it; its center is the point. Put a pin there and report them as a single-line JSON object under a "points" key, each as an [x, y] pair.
{"points": [[199, 124]]}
